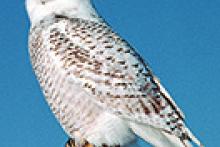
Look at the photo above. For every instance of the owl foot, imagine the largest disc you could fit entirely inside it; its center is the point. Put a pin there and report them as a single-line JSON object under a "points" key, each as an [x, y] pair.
{"points": [[71, 143]]}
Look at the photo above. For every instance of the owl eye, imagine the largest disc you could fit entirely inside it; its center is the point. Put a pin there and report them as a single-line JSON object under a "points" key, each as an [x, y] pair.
{"points": [[43, 2]]}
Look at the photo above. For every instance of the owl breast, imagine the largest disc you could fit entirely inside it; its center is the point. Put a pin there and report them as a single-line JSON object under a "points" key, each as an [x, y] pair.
{"points": [[75, 108]]}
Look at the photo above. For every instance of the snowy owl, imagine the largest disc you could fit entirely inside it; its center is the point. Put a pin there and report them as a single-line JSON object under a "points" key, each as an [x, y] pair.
{"points": [[99, 88]]}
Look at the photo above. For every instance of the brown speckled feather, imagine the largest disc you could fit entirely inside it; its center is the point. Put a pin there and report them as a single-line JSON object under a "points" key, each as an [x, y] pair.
{"points": [[74, 57]]}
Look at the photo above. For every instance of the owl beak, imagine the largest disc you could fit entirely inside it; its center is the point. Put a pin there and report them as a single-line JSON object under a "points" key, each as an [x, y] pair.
{"points": [[43, 2]]}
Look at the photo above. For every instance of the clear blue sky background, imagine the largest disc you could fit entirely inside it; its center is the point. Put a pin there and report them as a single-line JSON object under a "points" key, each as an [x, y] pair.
{"points": [[180, 40]]}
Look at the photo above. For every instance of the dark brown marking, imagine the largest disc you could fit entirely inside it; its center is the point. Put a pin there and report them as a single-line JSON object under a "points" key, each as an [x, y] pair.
{"points": [[156, 109], [146, 110], [120, 49], [122, 62]]}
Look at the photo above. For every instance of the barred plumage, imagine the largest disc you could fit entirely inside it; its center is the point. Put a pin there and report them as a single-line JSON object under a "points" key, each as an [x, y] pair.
{"points": [[98, 86]]}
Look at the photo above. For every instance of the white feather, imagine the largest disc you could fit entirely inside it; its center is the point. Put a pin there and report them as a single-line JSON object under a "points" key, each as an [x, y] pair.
{"points": [[71, 8], [106, 128], [110, 130], [155, 136]]}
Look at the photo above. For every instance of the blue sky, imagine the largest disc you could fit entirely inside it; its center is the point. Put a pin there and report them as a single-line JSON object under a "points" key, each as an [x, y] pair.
{"points": [[180, 40]]}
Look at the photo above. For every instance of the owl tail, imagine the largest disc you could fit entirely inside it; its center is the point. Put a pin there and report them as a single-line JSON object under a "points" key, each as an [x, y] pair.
{"points": [[193, 138], [159, 138]]}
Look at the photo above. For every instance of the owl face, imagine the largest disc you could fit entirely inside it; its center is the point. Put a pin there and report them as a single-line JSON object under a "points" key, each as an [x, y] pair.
{"points": [[37, 9], [31, 5], [38, 2]]}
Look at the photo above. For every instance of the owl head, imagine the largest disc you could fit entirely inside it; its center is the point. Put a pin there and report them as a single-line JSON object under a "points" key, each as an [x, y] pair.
{"points": [[38, 9]]}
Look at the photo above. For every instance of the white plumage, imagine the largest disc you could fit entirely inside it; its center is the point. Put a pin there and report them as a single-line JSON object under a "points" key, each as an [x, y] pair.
{"points": [[96, 84]]}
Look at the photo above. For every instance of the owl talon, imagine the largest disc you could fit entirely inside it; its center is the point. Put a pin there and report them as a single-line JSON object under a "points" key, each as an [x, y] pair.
{"points": [[88, 145], [71, 143]]}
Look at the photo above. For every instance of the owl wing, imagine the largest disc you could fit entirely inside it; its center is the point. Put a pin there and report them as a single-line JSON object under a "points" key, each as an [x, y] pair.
{"points": [[110, 70]]}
